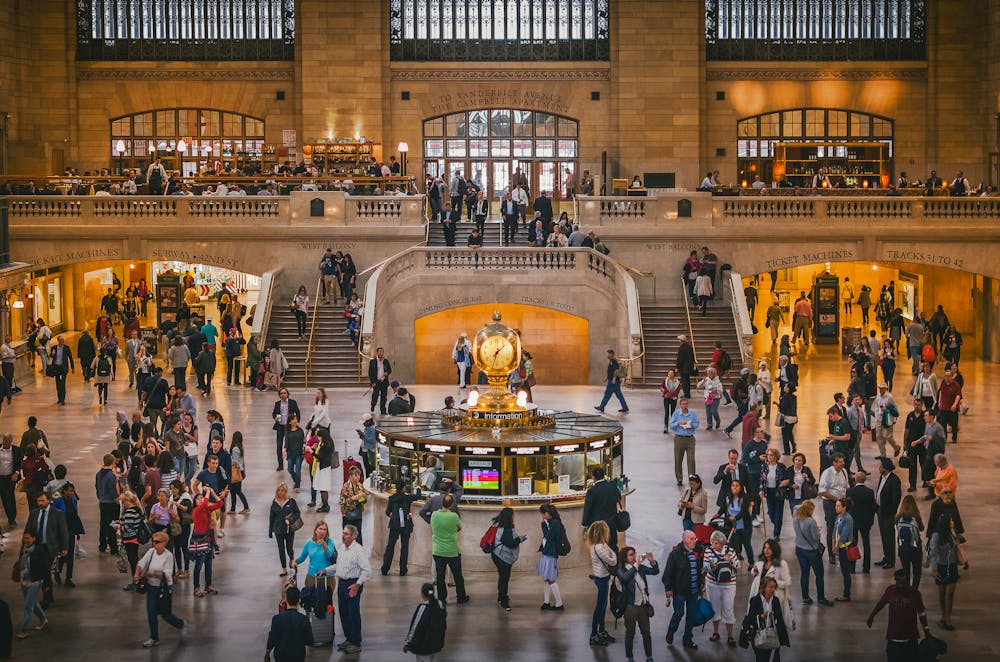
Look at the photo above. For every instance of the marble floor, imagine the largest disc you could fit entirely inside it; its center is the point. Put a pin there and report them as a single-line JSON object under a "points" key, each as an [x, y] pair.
{"points": [[97, 621]]}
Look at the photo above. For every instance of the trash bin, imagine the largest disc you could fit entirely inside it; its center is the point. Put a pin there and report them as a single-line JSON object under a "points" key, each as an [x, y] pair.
{"points": [[850, 337]]}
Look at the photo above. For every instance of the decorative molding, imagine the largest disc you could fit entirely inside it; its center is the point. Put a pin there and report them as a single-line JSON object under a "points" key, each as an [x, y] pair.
{"points": [[815, 74], [501, 74], [185, 75]]}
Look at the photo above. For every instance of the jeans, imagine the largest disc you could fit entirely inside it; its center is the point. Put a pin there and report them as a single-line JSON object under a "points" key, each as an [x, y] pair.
{"points": [[613, 388], [295, 469], [236, 492], [350, 610], [741, 411], [601, 607], [669, 405], [503, 580], [683, 603], [914, 352], [846, 568], [180, 376], [205, 382], [810, 560], [712, 414], [190, 468], [31, 605], [200, 561], [106, 535], [742, 539], [300, 322], [390, 549], [182, 558], [949, 418], [637, 615], [703, 304], [286, 547], [441, 564], [232, 370], [152, 604], [775, 510], [912, 563]]}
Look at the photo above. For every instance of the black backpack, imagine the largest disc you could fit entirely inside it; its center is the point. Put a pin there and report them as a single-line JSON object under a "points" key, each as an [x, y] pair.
{"points": [[103, 366], [564, 547], [908, 534], [725, 362], [616, 597], [429, 640]]}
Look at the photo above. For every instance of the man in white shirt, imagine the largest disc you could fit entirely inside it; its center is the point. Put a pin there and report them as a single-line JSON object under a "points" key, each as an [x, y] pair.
{"points": [[352, 570], [520, 197], [885, 412], [43, 338], [8, 357], [833, 485], [129, 186], [221, 190], [758, 183]]}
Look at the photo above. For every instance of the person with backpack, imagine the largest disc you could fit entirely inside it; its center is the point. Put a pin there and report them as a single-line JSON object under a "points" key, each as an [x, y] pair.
{"points": [[425, 638], [554, 544], [721, 566], [908, 525], [100, 367], [683, 582], [502, 542], [635, 596], [722, 363]]}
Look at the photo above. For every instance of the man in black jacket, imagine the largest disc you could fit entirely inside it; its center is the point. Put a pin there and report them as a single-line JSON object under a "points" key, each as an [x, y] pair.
{"points": [[290, 632], [10, 473], [683, 582], [379, 370], [601, 504], [685, 364], [863, 510], [397, 509], [284, 410], [61, 359], [727, 473], [888, 494], [543, 206]]}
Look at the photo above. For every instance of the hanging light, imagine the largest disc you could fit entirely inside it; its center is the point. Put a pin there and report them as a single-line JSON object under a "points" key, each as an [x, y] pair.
{"points": [[181, 146], [120, 146]]}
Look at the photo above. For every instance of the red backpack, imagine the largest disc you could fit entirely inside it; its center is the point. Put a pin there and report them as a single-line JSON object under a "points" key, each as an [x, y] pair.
{"points": [[927, 354], [489, 539]]}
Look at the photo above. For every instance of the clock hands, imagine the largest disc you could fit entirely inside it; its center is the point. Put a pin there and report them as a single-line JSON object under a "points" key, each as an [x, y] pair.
{"points": [[493, 362]]}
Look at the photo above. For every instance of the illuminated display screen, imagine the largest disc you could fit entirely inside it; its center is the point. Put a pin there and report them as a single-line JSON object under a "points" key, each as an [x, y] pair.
{"points": [[480, 475]]}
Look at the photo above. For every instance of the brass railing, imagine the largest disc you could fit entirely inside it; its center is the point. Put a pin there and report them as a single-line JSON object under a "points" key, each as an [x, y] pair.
{"points": [[312, 329], [687, 314]]}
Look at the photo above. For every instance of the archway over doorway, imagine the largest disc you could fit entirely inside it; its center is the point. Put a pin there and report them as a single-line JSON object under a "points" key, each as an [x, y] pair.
{"points": [[558, 341]]}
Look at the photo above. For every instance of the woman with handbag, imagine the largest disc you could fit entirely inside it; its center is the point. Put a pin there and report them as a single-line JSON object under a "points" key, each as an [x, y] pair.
{"points": [[770, 564], [322, 469], [201, 545], [181, 500], [283, 521], [809, 550], [764, 626], [157, 566], [736, 511], [603, 560], [635, 588], [843, 543], [694, 503], [163, 515], [803, 483], [788, 416], [775, 486], [943, 560], [909, 524], [130, 525], [721, 567], [553, 533], [239, 473], [713, 395], [352, 500]]}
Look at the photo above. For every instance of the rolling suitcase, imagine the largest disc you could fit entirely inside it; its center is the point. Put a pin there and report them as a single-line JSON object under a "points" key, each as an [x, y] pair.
{"points": [[323, 628], [350, 463]]}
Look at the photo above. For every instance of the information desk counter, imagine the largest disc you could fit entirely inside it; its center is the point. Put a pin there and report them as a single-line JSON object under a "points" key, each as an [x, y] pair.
{"points": [[546, 461]]}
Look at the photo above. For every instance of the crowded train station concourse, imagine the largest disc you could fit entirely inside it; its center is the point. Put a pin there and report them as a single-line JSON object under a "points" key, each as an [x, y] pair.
{"points": [[499, 329]]}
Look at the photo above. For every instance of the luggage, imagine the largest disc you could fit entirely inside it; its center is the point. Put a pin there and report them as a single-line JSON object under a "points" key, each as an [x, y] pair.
{"points": [[322, 629], [703, 533], [703, 613]]}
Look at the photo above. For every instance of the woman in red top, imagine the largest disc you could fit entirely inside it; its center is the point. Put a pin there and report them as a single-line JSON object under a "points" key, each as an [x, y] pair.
{"points": [[201, 538], [33, 462], [717, 364]]}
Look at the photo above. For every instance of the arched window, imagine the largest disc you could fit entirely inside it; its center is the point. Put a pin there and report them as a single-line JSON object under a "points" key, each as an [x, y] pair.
{"points": [[851, 146], [495, 144], [815, 29], [499, 30], [187, 138], [185, 30]]}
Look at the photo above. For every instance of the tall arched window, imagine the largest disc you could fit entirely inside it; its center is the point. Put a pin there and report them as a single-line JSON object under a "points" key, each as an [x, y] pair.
{"points": [[187, 138], [853, 147], [185, 30], [500, 144], [815, 29]]}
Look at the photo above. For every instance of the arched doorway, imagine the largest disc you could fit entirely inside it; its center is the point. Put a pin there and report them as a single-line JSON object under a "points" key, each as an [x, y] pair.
{"points": [[495, 145]]}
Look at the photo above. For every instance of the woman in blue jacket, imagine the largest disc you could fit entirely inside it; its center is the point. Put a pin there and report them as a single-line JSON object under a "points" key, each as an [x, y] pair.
{"points": [[843, 538], [553, 533]]}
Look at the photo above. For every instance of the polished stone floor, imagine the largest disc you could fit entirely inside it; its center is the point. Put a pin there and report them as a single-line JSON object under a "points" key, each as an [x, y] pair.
{"points": [[97, 621]]}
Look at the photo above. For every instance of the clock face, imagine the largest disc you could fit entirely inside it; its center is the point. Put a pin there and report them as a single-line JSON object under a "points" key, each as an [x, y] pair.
{"points": [[496, 353]]}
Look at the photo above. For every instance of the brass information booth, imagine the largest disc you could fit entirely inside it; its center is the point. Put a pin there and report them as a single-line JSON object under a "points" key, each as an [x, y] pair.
{"points": [[503, 451]]}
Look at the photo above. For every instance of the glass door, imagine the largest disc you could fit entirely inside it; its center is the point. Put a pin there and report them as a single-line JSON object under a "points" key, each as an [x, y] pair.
{"points": [[501, 180]]}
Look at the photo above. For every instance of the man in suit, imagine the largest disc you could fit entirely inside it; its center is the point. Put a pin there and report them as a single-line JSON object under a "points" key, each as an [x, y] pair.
{"points": [[510, 215], [449, 217], [788, 373], [727, 473], [10, 473], [888, 494], [481, 212], [543, 206], [863, 509], [62, 358], [601, 504], [290, 631], [379, 370], [48, 525], [284, 410]]}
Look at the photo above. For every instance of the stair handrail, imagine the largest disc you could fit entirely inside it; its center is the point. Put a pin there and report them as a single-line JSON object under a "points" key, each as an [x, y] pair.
{"points": [[687, 313], [262, 315], [312, 329], [741, 315]]}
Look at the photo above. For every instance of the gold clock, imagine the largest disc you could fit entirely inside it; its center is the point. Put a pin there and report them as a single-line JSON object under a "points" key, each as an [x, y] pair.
{"points": [[497, 349]]}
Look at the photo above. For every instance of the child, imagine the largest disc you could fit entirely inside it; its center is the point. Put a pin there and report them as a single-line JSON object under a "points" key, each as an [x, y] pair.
{"points": [[552, 535]]}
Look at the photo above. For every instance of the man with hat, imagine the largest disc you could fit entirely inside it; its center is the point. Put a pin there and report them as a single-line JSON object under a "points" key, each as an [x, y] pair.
{"points": [[685, 364], [884, 413], [888, 494]]}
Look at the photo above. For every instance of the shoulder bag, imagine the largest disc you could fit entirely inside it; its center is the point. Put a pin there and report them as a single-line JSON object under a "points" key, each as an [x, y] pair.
{"points": [[294, 524], [853, 553]]}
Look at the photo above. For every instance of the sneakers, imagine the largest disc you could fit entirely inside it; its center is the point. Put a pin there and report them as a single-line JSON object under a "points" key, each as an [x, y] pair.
{"points": [[463, 600], [245, 511], [351, 649], [211, 590], [825, 602], [149, 643]]}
